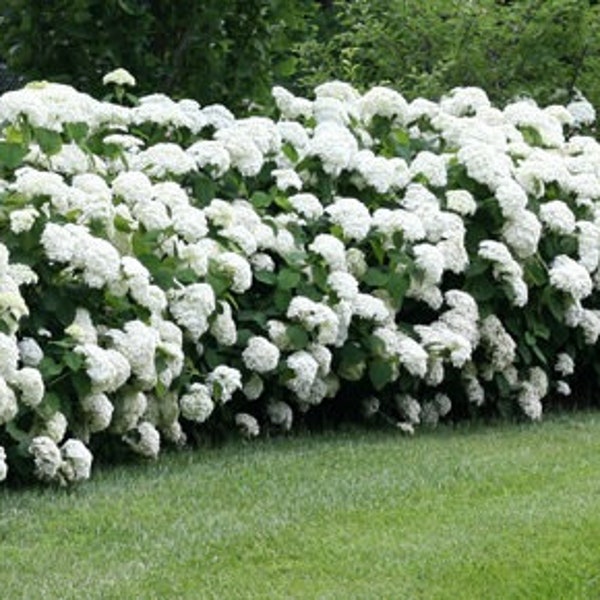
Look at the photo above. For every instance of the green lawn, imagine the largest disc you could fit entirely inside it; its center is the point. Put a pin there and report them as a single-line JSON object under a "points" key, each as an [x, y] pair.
{"points": [[510, 511]]}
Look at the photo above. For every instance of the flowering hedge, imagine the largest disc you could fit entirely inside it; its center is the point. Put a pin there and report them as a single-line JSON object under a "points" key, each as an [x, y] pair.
{"points": [[167, 269]]}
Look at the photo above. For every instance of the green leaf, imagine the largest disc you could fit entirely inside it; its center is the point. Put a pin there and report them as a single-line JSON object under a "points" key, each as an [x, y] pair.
{"points": [[50, 141], [76, 132], [376, 277], [11, 155], [288, 279], [380, 373], [261, 200], [73, 360], [267, 277], [49, 367], [297, 336], [16, 433]]}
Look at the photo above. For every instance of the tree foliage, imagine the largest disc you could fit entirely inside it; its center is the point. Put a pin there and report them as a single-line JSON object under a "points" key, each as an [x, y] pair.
{"points": [[543, 48], [214, 50]]}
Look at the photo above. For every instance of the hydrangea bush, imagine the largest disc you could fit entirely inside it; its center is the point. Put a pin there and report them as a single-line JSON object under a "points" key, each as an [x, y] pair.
{"points": [[168, 269]]}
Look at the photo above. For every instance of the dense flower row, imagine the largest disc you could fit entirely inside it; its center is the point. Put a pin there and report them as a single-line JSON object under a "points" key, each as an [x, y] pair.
{"points": [[167, 268]]}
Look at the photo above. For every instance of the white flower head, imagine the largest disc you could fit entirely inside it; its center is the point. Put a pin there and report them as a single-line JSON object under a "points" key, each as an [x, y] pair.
{"points": [[120, 77], [30, 352], [47, 458], [98, 411], [280, 414], [76, 461], [223, 382], [570, 277], [564, 364], [247, 425], [260, 355], [197, 404], [144, 439], [352, 216]]}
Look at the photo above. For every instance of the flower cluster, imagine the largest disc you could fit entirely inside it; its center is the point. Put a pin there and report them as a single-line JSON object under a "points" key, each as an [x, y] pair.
{"points": [[169, 269]]}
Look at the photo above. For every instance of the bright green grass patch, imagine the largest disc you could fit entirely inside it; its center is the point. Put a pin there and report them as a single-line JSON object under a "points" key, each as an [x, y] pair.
{"points": [[500, 512]]}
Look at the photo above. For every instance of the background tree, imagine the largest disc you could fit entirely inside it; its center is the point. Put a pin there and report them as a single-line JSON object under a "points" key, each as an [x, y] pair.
{"points": [[543, 48], [215, 50]]}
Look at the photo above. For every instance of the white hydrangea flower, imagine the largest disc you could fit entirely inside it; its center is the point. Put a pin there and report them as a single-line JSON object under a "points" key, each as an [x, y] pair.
{"points": [[314, 315], [505, 269], [582, 111], [461, 202], [431, 166], [440, 340], [137, 342], [211, 154], [356, 262], [390, 221], [499, 346], [277, 331], [307, 205], [352, 216], [191, 307], [570, 277], [261, 261], [343, 284], [8, 403], [588, 241], [197, 404], [290, 106], [9, 356], [409, 408], [558, 217], [529, 401], [260, 355], [382, 102], [76, 461], [380, 172], [132, 187], [485, 164], [163, 159], [243, 151], [238, 268], [522, 232], [223, 328], [280, 414], [129, 406], [331, 249], [305, 369], [144, 439], [55, 427], [108, 369], [564, 364], [462, 101], [30, 352], [563, 388], [334, 145], [98, 411], [30, 384], [247, 425], [223, 382], [23, 220], [287, 179], [119, 76], [366, 306], [473, 389], [47, 458], [3, 465], [82, 329]]}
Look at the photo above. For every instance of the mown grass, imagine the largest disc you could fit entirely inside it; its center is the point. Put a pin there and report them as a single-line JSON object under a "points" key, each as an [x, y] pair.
{"points": [[509, 511]]}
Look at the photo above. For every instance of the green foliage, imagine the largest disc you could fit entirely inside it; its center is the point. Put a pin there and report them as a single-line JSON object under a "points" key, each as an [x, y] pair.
{"points": [[543, 48], [214, 51]]}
